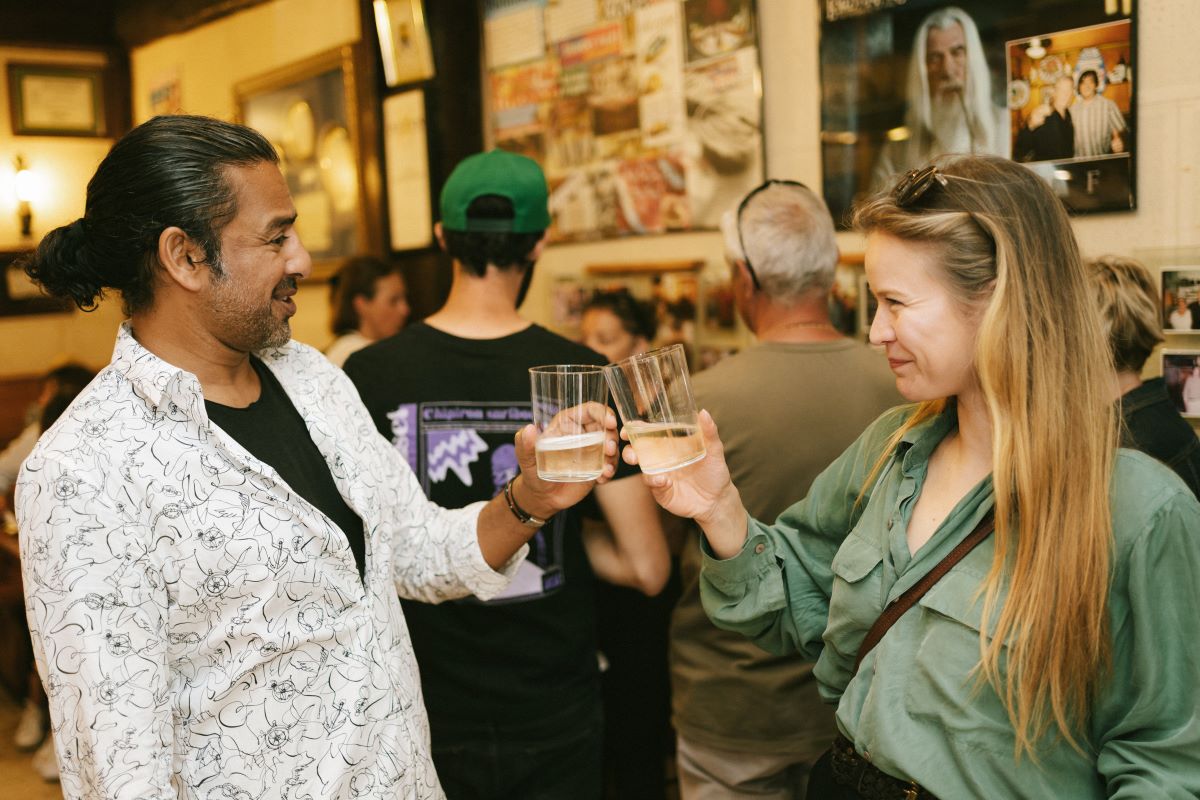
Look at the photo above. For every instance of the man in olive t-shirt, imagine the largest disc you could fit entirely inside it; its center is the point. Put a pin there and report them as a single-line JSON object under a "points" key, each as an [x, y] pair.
{"points": [[750, 724]]}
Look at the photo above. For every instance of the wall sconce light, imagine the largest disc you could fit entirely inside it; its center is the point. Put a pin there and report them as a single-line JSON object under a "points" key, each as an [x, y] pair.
{"points": [[24, 185], [1036, 48]]}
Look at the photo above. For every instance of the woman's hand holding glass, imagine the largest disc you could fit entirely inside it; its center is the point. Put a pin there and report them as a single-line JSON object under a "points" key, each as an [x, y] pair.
{"points": [[702, 491]]}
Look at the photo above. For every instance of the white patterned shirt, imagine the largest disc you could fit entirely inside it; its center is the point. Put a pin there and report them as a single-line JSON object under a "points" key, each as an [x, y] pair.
{"points": [[201, 630]]}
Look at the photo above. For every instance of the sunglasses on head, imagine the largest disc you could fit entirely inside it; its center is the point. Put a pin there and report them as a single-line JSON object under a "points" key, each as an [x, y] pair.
{"points": [[916, 184], [742, 207]]}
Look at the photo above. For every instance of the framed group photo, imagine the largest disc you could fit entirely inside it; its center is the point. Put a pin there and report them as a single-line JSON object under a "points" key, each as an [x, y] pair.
{"points": [[904, 83]]}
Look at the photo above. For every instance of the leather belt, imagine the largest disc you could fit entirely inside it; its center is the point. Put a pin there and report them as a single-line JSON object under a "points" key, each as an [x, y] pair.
{"points": [[855, 772]]}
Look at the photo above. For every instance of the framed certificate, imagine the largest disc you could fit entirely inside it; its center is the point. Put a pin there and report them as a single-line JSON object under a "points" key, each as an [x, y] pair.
{"points": [[56, 100]]}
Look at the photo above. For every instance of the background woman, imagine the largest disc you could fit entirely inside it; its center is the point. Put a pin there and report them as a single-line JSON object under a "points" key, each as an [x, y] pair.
{"points": [[369, 303], [631, 627], [617, 325], [1129, 310], [1057, 658]]}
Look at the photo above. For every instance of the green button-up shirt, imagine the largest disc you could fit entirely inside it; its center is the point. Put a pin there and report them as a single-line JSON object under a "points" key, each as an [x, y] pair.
{"points": [[817, 579]]}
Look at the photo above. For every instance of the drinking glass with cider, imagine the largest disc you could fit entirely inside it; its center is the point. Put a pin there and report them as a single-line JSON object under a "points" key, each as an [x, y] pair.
{"points": [[569, 411], [654, 396]]}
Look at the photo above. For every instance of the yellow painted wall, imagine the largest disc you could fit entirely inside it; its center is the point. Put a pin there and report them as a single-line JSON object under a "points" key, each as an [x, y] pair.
{"points": [[62, 166], [208, 61]]}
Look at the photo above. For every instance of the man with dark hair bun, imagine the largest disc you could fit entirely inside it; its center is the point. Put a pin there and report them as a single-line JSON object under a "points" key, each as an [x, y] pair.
{"points": [[213, 536]]}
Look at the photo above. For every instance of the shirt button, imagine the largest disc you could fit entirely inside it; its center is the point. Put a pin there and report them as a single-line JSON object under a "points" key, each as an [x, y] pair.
{"points": [[758, 548], [891, 521]]}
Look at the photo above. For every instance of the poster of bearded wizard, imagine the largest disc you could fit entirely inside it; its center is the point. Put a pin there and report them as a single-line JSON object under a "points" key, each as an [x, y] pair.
{"points": [[906, 81]]}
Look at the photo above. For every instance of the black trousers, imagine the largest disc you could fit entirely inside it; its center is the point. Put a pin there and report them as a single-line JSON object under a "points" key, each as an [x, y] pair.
{"points": [[822, 786]]}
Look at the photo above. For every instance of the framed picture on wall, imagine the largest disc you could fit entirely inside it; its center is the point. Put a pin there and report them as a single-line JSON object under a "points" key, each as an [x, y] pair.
{"points": [[56, 100], [19, 295], [1181, 300], [406, 154], [307, 111], [403, 41], [903, 83], [1181, 374]]}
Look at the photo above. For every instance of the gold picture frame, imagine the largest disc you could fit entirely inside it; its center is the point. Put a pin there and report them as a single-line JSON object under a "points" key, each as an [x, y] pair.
{"points": [[403, 41], [56, 100], [309, 112]]}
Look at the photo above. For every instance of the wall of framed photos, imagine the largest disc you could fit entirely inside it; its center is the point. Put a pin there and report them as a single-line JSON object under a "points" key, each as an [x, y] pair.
{"points": [[646, 117], [196, 71]]}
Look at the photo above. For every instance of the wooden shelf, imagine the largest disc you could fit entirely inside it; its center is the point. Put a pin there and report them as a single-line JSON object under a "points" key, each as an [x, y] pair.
{"points": [[626, 267]]}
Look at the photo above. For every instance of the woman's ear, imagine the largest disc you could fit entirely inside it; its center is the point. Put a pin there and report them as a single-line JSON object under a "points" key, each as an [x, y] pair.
{"points": [[183, 262]]}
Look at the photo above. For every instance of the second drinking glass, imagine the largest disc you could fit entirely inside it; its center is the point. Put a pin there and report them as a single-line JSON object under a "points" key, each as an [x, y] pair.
{"points": [[654, 396]]}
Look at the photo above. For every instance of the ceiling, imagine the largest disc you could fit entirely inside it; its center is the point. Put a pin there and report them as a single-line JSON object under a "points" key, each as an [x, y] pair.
{"points": [[106, 23]]}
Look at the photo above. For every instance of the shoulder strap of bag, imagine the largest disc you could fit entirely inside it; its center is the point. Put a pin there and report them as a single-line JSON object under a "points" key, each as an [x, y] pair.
{"points": [[915, 592]]}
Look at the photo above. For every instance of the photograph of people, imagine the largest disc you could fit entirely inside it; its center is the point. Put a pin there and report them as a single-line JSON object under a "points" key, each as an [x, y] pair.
{"points": [[1034, 665], [1181, 318], [1180, 299], [949, 94], [1191, 391]]}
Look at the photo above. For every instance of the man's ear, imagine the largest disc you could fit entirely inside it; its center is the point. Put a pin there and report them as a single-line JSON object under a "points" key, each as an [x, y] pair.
{"points": [[182, 260], [441, 237], [536, 253], [359, 302]]}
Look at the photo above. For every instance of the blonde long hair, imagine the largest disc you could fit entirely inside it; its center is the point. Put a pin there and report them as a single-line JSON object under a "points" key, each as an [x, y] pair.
{"points": [[1006, 248]]}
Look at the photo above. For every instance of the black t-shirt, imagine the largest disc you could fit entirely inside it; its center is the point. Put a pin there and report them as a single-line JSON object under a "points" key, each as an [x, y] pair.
{"points": [[451, 406], [274, 432]]}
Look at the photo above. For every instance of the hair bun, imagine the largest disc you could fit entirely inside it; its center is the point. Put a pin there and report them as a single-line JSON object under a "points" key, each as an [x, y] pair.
{"points": [[63, 266]]}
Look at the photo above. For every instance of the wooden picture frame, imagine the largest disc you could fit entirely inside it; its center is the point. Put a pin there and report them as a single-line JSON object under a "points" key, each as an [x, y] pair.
{"points": [[309, 111], [403, 41], [57, 100], [406, 158]]}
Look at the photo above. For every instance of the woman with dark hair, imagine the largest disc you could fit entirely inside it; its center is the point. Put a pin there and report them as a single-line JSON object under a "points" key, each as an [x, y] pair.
{"points": [[1040, 584], [631, 627], [617, 325], [369, 303]]}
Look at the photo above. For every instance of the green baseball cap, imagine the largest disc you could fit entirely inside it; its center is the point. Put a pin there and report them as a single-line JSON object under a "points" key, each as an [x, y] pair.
{"points": [[501, 173]]}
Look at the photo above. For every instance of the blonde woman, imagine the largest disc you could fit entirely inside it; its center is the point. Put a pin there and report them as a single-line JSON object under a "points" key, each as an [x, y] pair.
{"points": [[1057, 658], [1129, 310]]}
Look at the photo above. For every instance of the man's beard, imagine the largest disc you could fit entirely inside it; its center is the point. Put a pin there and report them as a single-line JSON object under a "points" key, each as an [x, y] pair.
{"points": [[242, 322], [948, 123]]}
